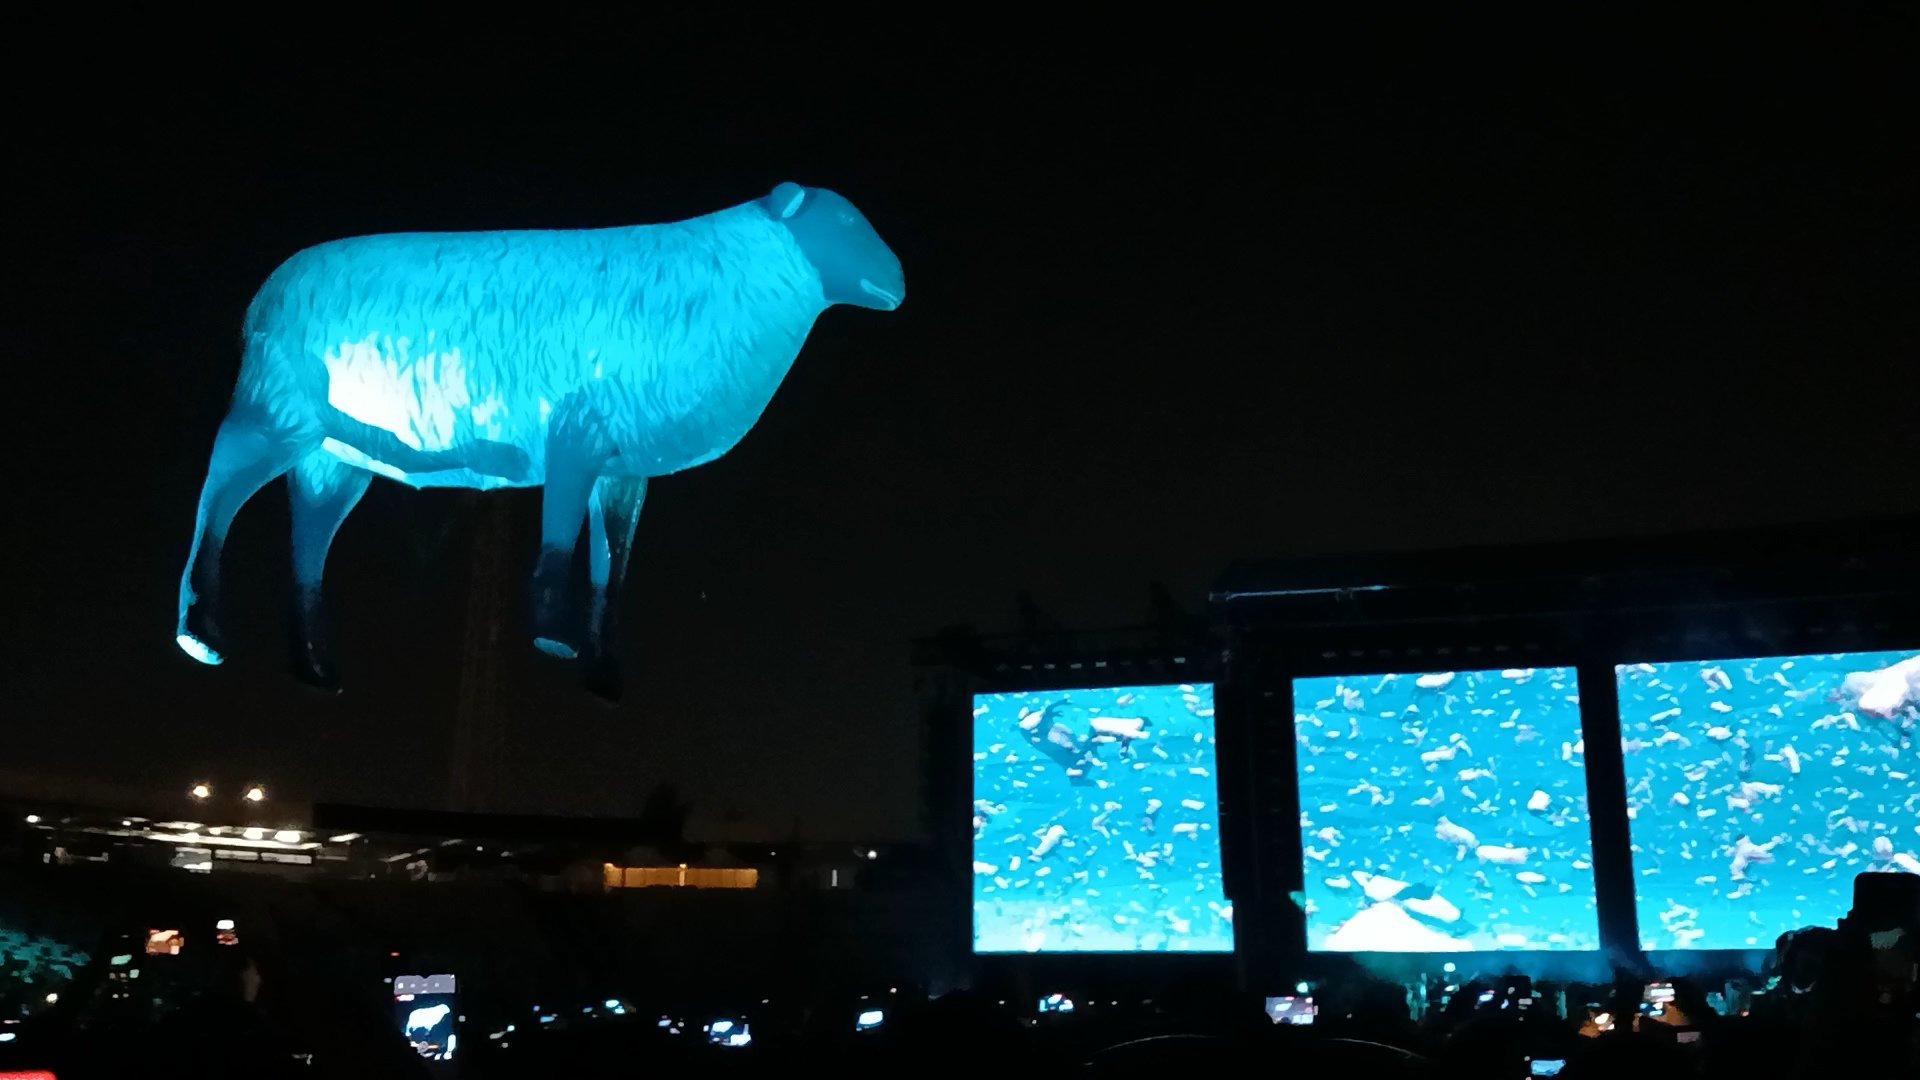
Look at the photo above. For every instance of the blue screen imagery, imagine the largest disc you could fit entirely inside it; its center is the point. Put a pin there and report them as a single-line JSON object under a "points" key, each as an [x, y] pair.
{"points": [[1445, 812], [1758, 788], [1095, 825]]}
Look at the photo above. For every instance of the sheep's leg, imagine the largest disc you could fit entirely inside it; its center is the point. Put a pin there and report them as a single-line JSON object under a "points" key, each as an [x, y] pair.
{"points": [[612, 514], [577, 450], [323, 491], [247, 454]]}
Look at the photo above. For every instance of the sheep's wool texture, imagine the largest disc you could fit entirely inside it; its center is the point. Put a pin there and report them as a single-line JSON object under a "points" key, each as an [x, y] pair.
{"points": [[677, 335]]}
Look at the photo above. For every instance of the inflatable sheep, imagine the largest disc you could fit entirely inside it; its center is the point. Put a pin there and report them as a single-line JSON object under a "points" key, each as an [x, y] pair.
{"points": [[584, 362]]}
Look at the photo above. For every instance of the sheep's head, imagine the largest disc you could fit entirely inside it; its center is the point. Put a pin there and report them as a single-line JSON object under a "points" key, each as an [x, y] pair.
{"points": [[856, 266]]}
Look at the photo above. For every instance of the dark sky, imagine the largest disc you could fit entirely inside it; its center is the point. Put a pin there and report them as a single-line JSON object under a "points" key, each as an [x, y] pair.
{"points": [[1177, 294]]}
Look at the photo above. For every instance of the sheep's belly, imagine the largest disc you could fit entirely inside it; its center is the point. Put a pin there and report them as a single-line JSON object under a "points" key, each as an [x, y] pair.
{"points": [[426, 399], [419, 393]]}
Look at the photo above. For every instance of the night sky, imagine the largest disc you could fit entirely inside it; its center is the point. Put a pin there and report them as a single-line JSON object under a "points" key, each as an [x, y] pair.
{"points": [[1176, 295]]}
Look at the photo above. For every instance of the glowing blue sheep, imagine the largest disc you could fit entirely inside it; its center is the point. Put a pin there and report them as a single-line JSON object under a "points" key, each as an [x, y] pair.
{"points": [[585, 361]]}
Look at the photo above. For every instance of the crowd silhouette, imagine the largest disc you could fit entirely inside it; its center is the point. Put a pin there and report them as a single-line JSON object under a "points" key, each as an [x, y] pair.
{"points": [[1831, 1002]]}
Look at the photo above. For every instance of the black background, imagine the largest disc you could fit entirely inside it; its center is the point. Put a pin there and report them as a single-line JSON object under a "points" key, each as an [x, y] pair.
{"points": [[1177, 293]]}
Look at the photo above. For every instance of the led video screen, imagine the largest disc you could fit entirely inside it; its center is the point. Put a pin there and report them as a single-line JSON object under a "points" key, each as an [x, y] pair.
{"points": [[427, 1008], [1757, 789], [1095, 827], [1445, 812]]}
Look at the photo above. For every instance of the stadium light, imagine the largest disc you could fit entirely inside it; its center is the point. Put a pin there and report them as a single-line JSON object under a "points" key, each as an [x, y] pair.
{"points": [[257, 793], [202, 790]]}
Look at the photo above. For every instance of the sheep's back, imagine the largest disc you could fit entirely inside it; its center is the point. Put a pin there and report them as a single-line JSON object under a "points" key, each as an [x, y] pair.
{"points": [[685, 329]]}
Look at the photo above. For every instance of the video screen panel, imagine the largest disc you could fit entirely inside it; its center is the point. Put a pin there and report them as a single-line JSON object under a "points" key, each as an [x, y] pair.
{"points": [[1095, 826], [427, 1009], [1758, 788], [1445, 812]]}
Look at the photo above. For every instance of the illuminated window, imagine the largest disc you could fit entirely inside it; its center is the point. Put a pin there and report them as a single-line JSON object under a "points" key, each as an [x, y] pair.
{"points": [[697, 877]]}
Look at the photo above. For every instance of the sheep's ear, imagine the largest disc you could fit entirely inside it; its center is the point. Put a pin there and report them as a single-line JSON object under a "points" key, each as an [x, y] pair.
{"points": [[787, 199]]}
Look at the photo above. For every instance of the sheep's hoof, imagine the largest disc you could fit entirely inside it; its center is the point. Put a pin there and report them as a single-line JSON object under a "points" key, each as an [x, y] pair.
{"points": [[600, 676], [551, 613], [199, 637], [198, 650], [554, 647], [324, 680], [316, 671]]}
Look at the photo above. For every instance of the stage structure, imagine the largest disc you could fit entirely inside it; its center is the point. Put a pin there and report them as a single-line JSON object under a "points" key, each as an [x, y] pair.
{"points": [[481, 718], [1764, 683], [1420, 759], [583, 362]]}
